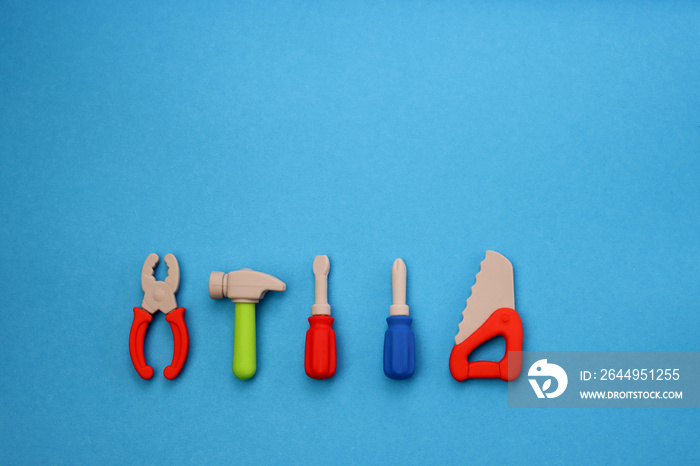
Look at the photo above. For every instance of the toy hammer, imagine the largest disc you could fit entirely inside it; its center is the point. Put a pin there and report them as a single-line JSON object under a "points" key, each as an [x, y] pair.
{"points": [[244, 287]]}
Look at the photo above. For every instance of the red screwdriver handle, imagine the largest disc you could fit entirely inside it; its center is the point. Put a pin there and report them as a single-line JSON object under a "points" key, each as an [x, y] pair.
{"points": [[136, 337], [504, 322], [319, 360], [181, 342]]}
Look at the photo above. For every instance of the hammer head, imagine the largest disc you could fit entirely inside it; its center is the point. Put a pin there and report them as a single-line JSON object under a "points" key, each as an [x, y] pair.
{"points": [[243, 286]]}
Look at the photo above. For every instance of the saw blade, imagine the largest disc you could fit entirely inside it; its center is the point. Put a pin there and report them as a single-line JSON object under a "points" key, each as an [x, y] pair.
{"points": [[493, 290]]}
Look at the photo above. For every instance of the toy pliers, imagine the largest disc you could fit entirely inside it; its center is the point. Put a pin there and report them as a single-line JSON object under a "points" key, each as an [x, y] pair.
{"points": [[159, 296]]}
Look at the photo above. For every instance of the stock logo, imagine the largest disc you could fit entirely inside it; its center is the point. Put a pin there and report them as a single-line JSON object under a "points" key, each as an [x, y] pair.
{"points": [[541, 369]]}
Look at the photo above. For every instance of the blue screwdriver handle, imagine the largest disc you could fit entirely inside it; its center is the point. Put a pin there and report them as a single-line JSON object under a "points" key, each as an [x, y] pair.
{"points": [[399, 348]]}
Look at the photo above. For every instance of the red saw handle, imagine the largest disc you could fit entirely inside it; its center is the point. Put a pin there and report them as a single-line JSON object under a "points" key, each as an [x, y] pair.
{"points": [[136, 337], [181, 341], [504, 322]]}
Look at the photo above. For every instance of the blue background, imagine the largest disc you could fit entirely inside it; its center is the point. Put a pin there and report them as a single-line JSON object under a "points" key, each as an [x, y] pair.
{"points": [[566, 137]]}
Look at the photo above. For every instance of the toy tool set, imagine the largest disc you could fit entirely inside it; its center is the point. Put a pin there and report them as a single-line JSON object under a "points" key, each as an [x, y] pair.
{"points": [[490, 312]]}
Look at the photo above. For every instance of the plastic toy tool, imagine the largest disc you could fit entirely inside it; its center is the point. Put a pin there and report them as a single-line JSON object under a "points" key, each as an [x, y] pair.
{"points": [[319, 355], [244, 287], [490, 312], [159, 296], [399, 341]]}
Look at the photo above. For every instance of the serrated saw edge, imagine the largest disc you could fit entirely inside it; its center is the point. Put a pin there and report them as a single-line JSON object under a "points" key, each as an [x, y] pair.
{"points": [[492, 290]]}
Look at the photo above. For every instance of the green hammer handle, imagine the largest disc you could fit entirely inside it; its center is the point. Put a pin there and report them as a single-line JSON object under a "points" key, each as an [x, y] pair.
{"points": [[244, 360]]}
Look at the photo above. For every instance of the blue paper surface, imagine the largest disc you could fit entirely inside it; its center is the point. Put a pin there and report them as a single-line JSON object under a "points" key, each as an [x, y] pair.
{"points": [[564, 136]]}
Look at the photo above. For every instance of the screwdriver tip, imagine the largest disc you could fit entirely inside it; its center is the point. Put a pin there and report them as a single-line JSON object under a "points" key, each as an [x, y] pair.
{"points": [[399, 266], [322, 265]]}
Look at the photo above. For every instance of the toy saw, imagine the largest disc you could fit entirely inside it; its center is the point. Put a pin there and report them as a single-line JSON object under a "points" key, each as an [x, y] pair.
{"points": [[490, 312]]}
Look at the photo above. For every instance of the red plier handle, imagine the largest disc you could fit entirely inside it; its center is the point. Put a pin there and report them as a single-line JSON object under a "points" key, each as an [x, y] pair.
{"points": [[181, 342], [503, 322]]}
